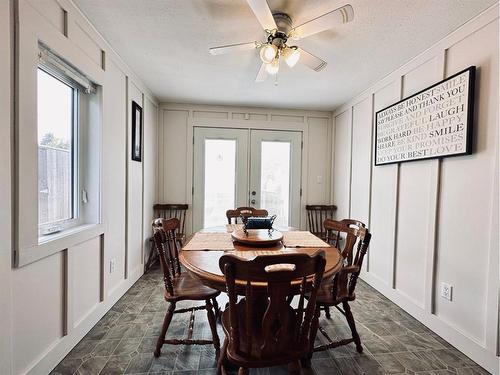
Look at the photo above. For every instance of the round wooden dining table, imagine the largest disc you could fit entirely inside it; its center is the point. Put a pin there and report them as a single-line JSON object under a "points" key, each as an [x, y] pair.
{"points": [[204, 264]]}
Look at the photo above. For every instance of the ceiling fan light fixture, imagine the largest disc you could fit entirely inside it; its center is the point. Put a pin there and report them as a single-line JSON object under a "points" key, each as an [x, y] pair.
{"points": [[268, 53], [291, 56], [273, 67], [280, 29]]}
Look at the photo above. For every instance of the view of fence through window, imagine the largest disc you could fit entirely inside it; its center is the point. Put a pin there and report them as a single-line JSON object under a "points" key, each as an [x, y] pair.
{"points": [[55, 149]]}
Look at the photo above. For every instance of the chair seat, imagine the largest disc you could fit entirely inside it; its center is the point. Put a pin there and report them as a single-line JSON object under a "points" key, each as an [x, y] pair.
{"points": [[264, 357], [325, 295], [187, 287]]}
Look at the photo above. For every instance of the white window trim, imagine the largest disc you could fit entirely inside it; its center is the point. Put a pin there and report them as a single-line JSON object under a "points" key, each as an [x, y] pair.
{"points": [[27, 246]]}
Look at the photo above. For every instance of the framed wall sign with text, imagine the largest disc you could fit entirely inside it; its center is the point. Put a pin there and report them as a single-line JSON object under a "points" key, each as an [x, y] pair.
{"points": [[433, 123]]}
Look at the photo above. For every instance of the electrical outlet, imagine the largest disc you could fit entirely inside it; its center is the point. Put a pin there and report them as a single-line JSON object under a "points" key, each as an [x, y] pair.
{"points": [[112, 265], [446, 291]]}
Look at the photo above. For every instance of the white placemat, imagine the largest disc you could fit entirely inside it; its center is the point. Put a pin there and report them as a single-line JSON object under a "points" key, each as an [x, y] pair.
{"points": [[302, 238], [210, 241]]}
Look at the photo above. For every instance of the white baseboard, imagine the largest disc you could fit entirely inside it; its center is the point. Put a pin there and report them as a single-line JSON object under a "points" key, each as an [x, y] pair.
{"points": [[468, 346]]}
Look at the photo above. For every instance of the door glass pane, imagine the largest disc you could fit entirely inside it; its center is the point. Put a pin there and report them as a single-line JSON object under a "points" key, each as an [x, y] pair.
{"points": [[55, 151], [275, 180], [220, 180]]}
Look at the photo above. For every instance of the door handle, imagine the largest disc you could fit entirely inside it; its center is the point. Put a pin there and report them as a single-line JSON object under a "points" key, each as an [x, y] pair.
{"points": [[254, 192], [253, 201]]}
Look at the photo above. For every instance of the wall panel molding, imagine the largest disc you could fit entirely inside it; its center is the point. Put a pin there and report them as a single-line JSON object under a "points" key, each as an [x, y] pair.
{"points": [[342, 164], [62, 347], [73, 281], [434, 190], [407, 201]]}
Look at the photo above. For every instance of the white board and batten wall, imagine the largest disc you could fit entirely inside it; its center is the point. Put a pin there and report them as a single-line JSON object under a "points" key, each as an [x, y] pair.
{"points": [[432, 221], [175, 146], [73, 284], [6, 103]]}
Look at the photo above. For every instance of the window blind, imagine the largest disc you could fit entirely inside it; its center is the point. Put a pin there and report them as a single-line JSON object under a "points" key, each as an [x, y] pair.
{"points": [[63, 70]]}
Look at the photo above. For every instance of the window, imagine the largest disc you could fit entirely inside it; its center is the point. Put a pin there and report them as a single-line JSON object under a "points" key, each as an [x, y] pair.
{"points": [[57, 153], [275, 179], [220, 179], [68, 150]]}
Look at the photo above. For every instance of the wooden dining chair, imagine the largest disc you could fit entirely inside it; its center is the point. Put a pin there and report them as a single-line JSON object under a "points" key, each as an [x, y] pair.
{"points": [[244, 211], [340, 291], [353, 223], [316, 215], [334, 237], [181, 286], [173, 210], [263, 329], [167, 211]]}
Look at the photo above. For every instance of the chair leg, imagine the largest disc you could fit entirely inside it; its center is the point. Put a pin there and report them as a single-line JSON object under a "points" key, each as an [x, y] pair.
{"points": [[352, 326], [216, 307], [327, 312], [213, 327], [294, 368], [306, 362], [222, 358], [166, 323], [243, 371]]}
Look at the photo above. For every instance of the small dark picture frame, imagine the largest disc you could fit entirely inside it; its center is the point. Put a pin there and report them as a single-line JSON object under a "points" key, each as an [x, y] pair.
{"points": [[136, 132]]}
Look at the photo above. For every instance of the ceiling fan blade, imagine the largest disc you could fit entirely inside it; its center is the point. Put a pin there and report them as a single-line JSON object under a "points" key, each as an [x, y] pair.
{"points": [[262, 74], [263, 13], [326, 21], [311, 61], [232, 48]]}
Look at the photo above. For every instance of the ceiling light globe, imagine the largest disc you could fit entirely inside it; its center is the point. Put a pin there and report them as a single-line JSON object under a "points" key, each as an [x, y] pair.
{"points": [[273, 67], [292, 56], [268, 53]]}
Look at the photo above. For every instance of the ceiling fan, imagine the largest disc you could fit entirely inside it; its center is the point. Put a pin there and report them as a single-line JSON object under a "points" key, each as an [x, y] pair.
{"points": [[280, 30]]}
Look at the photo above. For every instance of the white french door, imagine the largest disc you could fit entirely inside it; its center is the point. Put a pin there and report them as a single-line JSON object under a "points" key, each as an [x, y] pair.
{"points": [[220, 174], [275, 167], [246, 167]]}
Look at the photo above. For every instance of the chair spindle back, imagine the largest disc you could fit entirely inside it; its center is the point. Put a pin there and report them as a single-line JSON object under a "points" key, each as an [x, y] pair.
{"points": [[168, 252], [316, 214], [169, 210], [244, 211], [355, 239]]}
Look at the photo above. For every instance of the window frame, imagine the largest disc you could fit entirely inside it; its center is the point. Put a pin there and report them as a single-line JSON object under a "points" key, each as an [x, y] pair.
{"points": [[44, 232], [35, 45]]}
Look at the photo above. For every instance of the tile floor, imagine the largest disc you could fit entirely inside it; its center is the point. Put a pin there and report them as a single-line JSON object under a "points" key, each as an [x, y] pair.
{"points": [[395, 343]]}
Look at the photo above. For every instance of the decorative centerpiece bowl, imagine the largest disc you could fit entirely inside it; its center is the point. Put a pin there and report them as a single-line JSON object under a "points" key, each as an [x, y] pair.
{"points": [[257, 231], [258, 223]]}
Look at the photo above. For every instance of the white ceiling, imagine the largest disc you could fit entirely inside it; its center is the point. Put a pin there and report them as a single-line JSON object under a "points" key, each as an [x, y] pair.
{"points": [[166, 44]]}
